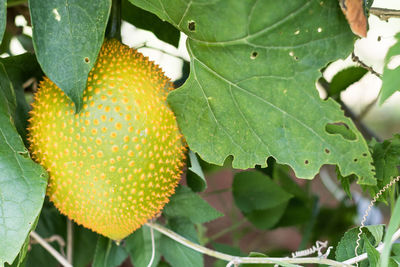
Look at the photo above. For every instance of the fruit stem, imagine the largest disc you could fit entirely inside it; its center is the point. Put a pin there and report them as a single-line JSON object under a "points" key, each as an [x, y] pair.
{"points": [[114, 22]]}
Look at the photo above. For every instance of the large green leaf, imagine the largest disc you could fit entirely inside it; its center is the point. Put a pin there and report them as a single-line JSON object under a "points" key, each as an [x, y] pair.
{"points": [[22, 182], [391, 76], [67, 36], [251, 91]]}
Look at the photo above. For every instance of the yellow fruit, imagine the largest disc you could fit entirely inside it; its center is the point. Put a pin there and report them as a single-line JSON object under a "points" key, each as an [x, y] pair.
{"points": [[114, 165]]}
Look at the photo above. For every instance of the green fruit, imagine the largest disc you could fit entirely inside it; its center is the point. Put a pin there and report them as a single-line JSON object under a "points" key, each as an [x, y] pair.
{"points": [[114, 165]]}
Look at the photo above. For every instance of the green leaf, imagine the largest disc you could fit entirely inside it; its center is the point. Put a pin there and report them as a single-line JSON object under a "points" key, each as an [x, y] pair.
{"points": [[386, 157], [20, 260], [346, 246], [390, 77], [254, 191], [227, 249], [177, 254], [5, 43], [3, 18], [195, 178], [148, 21], [84, 246], [261, 201], [391, 229], [266, 218], [373, 254], [26, 42], [67, 36], [344, 78], [396, 249], [261, 255], [184, 203], [20, 69], [262, 66], [108, 254], [22, 182], [140, 248], [50, 223]]}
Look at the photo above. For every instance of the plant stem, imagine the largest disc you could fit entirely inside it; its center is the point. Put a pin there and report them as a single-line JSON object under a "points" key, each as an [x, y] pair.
{"points": [[367, 109], [310, 225], [70, 240], [357, 60], [114, 22], [218, 191], [225, 231], [239, 260], [50, 249], [384, 13]]}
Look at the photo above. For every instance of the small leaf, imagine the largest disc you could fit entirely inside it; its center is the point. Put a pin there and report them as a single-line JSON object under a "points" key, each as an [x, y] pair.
{"points": [[373, 254], [254, 191], [22, 182], [139, 247], [346, 246], [108, 254], [67, 36], [177, 254], [148, 21], [195, 178], [386, 157], [184, 203], [344, 78], [396, 249], [391, 73]]}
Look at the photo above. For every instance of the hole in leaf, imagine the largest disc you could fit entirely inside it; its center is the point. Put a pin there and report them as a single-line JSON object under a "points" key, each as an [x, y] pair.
{"points": [[296, 58], [306, 161], [355, 160], [364, 154], [86, 59], [394, 62], [192, 26], [254, 54], [341, 129], [25, 154], [327, 151]]}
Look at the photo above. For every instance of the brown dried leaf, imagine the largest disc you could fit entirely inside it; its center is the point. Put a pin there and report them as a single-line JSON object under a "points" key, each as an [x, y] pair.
{"points": [[355, 15]]}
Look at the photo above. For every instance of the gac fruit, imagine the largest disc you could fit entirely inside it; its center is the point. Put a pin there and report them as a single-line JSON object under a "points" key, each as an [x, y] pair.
{"points": [[113, 165]]}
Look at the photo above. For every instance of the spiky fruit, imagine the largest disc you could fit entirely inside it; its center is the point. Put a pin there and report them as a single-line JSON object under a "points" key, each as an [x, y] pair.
{"points": [[114, 165]]}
